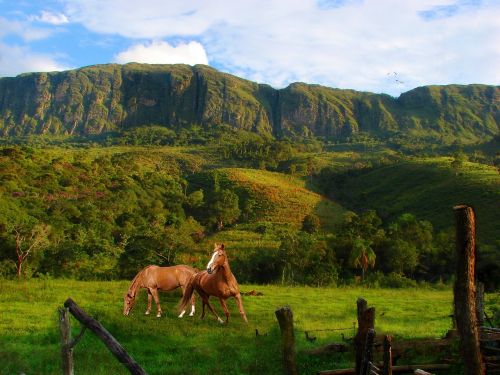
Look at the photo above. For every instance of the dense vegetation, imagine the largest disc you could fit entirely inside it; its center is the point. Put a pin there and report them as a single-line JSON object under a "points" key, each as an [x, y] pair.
{"points": [[93, 212]]}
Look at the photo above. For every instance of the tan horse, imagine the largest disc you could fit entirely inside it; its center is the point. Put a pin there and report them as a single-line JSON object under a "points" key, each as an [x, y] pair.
{"points": [[218, 281], [154, 278]]}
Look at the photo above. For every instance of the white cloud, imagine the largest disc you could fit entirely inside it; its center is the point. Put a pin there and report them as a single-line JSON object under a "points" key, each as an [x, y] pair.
{"points": [[160, 52], [15, 60], [23, 29], [343, 43], [50, 18]]}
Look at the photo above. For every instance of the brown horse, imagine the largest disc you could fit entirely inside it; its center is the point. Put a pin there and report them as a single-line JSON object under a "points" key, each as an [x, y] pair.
{"points": [[154, 278], [218, 281]]}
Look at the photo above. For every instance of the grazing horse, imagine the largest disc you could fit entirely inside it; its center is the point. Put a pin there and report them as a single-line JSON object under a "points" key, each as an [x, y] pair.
{"points": [[218, 281], [154, 278]]}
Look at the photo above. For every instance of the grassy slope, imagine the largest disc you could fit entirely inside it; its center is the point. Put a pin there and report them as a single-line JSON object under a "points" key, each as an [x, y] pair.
{"points": [[29, 338], [283, 198], [429, 188]]}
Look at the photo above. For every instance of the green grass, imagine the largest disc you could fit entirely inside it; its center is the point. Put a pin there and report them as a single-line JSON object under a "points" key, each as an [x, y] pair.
{"points": [[29, 336]]}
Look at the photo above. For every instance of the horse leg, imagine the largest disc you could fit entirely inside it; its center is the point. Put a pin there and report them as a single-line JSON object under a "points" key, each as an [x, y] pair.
{"points": [[226, 310], [154, 292], [150, 300], [183, 311], [205, 298], [213, 312], [203, 303], [240, 307], [193, 302]]}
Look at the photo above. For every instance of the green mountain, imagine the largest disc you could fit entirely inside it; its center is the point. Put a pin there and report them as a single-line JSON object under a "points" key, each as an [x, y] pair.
{"points": [[108, 98]]}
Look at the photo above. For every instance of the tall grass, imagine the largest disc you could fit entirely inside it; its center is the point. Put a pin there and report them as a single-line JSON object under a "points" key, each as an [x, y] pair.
{"points": [[29, 337]]}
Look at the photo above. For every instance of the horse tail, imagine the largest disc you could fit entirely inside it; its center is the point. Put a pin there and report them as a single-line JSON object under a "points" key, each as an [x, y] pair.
{"points": [[188, 292]]}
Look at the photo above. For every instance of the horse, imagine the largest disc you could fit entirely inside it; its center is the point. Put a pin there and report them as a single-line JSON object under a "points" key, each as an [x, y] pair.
{"points": [[154, 278], [217, 280]]}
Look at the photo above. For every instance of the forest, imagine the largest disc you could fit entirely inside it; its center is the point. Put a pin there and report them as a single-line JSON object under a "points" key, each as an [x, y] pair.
{"points": [[293, 212]]}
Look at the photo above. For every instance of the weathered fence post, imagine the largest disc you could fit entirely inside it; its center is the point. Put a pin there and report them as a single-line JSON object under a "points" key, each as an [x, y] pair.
{"points": [[368, 354], [66, 342], [285, 320], [465, 291], [101, 332], [366, 321], [387, 370], [480, 304]]}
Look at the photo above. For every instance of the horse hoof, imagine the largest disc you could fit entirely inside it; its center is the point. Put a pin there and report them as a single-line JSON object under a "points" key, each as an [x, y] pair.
{"points": [[147, 313], [158, 315]]}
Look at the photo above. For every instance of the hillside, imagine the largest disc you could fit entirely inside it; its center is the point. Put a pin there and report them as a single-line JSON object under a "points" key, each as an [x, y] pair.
{"points": [[108, 98], [284, 199], [427, 187]]}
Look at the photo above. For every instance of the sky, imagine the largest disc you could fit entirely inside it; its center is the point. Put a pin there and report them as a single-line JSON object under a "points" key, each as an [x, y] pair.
{"points": [[382, 46]]}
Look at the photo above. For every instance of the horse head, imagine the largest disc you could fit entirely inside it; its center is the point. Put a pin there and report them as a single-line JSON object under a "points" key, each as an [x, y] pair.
{"points": [[218, 259], [128, 303]]}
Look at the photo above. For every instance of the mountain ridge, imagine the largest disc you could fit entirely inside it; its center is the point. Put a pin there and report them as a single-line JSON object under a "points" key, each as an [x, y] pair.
{"points": [[103, 98]]}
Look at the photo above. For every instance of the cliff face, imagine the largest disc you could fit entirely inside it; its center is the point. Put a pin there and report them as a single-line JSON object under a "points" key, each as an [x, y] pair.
{"points": [[98, 99]]}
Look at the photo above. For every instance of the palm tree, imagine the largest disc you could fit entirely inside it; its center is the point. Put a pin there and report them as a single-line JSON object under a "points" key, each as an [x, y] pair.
{"points": [[362, 255]]}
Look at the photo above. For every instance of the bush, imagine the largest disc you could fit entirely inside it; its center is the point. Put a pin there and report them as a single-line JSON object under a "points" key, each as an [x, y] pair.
{"points": [[7, 269], [311, 224], [392, 280]]}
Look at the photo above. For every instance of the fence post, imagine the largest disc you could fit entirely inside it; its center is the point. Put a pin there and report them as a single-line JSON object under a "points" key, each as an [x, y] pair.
{"points": [[285, 320], [366, 321], [387, 370], [480, 304], [66, 342], [368, 354], [465, 290]]}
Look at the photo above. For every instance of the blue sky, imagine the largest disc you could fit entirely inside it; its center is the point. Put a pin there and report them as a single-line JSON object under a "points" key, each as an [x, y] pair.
{"points": [[386, 46]]}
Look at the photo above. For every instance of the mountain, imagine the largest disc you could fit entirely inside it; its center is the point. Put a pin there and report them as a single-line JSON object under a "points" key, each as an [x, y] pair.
{"points": [[107, 98]]}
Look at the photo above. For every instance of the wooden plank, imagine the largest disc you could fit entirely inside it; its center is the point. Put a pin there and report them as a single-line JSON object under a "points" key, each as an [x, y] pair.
{"points": [[395, 369], [106, 337], [387, 369]]}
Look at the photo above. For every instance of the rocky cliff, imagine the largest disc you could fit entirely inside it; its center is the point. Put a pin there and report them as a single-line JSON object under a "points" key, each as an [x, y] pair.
{"points": [[103, 98]]}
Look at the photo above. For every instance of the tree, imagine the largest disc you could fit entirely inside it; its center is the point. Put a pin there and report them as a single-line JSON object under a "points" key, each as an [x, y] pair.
{"points": [[311, 224], [224, 208], [362, 255], [403, 256], [29, 241], [412, 244]]}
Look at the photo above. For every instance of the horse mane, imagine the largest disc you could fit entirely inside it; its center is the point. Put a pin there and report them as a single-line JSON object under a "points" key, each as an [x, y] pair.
{"points": [[135, 281]]}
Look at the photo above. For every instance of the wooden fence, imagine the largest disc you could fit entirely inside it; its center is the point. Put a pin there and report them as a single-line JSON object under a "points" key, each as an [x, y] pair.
{"points": [[68, 343]]}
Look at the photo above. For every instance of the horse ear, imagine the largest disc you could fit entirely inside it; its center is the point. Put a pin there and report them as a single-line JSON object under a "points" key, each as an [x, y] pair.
{"points": [[222, 246]]}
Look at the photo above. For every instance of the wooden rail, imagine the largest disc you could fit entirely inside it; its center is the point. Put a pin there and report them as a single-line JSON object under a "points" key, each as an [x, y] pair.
{"points": [[395, 369], [101, 332]]}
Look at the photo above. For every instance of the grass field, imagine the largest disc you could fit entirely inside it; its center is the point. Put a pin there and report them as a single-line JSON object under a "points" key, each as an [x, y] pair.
{"points": [[29, 336]]}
